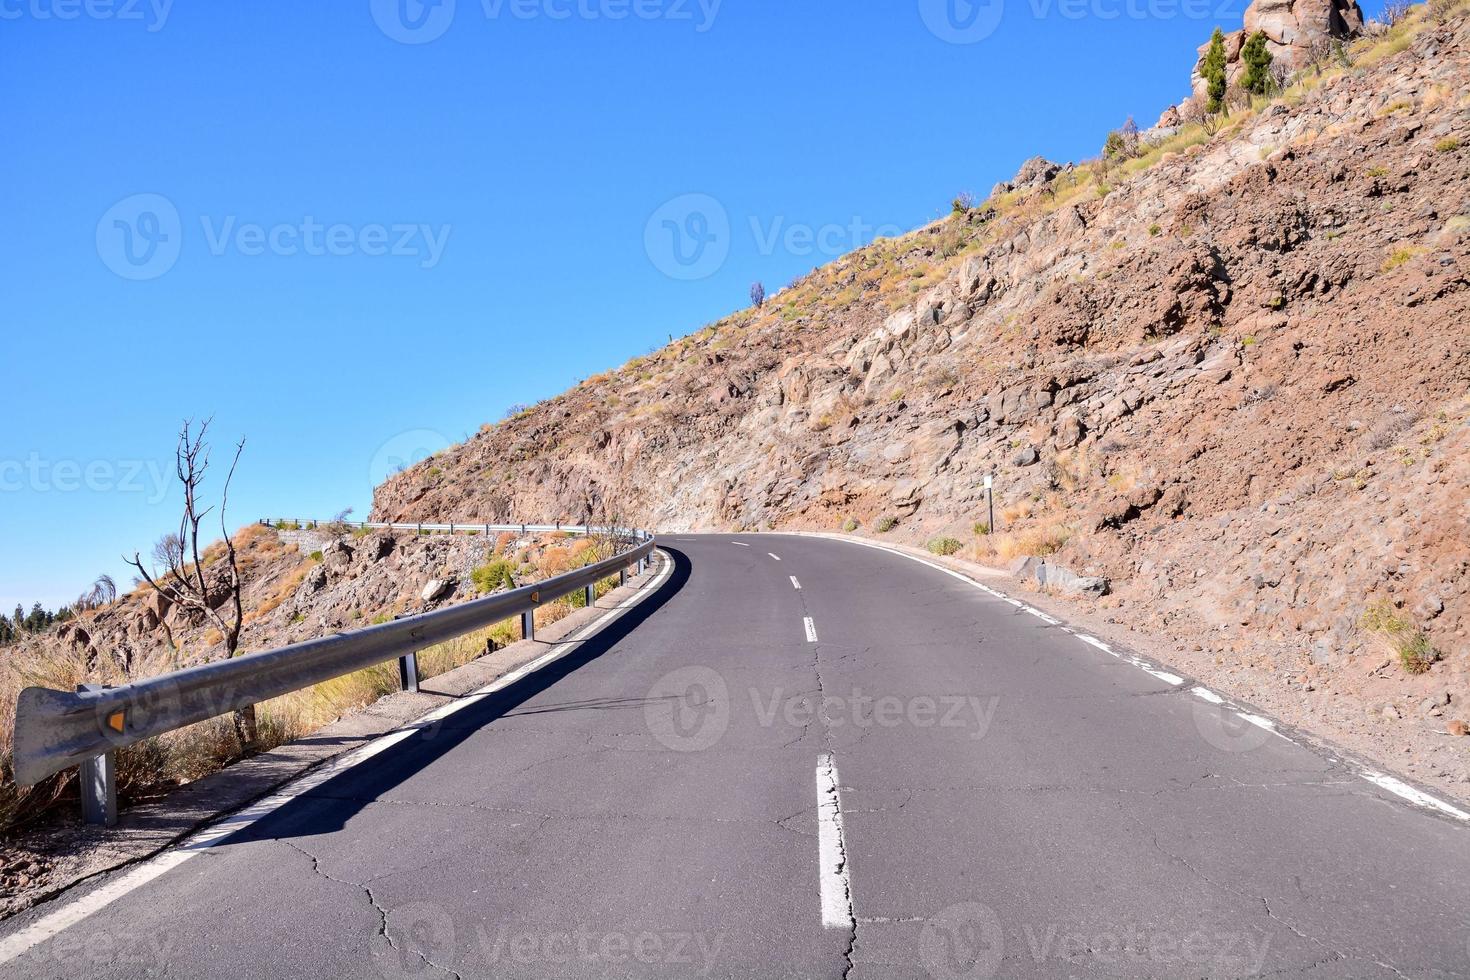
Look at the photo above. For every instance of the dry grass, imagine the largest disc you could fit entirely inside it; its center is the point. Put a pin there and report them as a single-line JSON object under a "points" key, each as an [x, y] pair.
{"points": [[1399, 634], [1038, 541]]}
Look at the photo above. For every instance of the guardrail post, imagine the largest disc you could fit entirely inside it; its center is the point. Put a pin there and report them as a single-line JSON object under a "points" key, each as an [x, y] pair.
{"points": [[408, 672], [528, 624], [590, 594], [99, 782], [622, 576]]}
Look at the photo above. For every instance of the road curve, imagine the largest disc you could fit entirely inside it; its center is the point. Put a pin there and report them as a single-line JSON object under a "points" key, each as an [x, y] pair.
{"points": [[801, 757]]}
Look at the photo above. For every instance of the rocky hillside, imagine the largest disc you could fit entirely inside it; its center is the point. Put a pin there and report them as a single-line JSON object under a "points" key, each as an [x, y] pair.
{"points": [[1227, 371]]}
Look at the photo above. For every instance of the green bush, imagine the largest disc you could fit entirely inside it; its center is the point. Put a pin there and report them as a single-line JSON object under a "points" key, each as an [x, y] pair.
{"points": [[943, 546], [850, 525], [492, 576], [1213, 72], [885, 524], [981, 528], [317, 556], [1257, 61]]}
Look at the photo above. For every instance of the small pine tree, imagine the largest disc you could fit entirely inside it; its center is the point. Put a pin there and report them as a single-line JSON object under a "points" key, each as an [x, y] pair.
{"points": [[1213, 71], [1257, 60]]}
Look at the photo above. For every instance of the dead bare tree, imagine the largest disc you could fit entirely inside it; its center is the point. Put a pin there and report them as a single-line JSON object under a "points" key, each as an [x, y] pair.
{"points": [[182, 579], [102, 593]]}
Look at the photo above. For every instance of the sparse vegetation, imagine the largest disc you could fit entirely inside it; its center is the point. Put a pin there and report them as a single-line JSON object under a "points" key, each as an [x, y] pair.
{"points": [[1399, 257], [1039, 541], [850, 525], [885, 524], [1447, 145], [493, 576], [943, 546], [1403, 638]]}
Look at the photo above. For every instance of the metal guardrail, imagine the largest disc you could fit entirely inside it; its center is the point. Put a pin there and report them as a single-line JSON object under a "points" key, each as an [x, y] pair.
{"points": [[296, 524], [58, 729]]}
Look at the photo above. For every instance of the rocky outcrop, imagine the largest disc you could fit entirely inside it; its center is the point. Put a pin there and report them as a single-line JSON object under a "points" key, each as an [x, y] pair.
{"points": [[1298, 33], [1035, 172]]}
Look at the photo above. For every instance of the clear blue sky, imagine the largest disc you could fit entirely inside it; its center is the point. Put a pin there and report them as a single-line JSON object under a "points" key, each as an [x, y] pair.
{"points": [[368, 227]]}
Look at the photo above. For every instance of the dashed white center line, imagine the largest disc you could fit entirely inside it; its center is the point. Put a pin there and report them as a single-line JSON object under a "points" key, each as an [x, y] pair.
{"points": [[836, 883], [774, 555], [811, 630], [740, 544], [794, 583]]}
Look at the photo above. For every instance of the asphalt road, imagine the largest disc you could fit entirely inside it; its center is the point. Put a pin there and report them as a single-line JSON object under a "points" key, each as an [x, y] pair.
{"points": [[800, 757]]}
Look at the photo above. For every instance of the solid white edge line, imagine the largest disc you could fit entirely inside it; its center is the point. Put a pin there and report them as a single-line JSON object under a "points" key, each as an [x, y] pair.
{"points": [[1400, 788], [794, 583], [1389, 783], [69, 914], [834, 878], [811, 629]]}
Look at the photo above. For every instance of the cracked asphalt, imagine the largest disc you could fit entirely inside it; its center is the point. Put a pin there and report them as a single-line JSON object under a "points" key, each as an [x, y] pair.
{"points": [[1013, 803]]}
